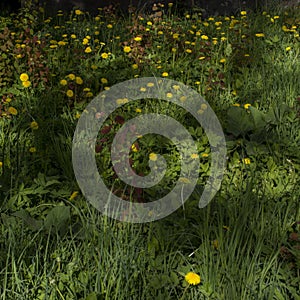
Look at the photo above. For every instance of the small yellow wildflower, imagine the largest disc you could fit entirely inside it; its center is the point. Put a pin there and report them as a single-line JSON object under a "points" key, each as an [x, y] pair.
{"points": [[288, 48], [259, 34], [194, 155], [138, 110], [85, 41], [165, 74], [134, 148], [150, 84], [89, 94], [246, 161], [1, 164], [143, 89], [79, 80], [222, 60], [104, 55], [24, 77], [73, 36], [71, 76], [236, 104], [88, 50], [153, 156], [26, 84], [78, 12], [246, 106], [63, 82], [204, 155], [12, 111], [243, 13], [192, 278], [175, 36], [127, 49], [70, 93], [32, 149], [104, 81], [169, 95], [34, 125], [203, 106], [176, 87], [204, 37], [135, 66], [74, 195], [138, 39]]}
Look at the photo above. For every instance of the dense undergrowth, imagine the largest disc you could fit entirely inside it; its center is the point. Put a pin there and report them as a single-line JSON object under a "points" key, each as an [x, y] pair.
{"points": [[244, 245]]}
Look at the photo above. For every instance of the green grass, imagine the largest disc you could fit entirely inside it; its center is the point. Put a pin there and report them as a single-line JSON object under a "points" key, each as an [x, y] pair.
{"points": [[244, 244]]}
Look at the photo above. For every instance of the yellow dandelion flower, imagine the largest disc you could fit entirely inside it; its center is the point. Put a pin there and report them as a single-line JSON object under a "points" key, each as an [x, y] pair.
{"points": [[32, 149], [63, 82], [85, 41], [73, 36], [88, 50], [204, 37], [71, 76], [203, 106], [184, 180], [143, 89], [73, 195], [288, 48], [89, 94], [134, 148], [194, 155], [222, 60], [12, 111], [169, 95], [246, 106], [24, 77], [62, 43], [153, 156], [138, 39], [204, 155], [165, 74], [26, 84], [201, 57], [175, 36], [246, 161], [138, 110], [78, 80], [34, 125], [192, 278], [243, 13], [188, 51], [236, 104], [104, 81], [149, 23], [70, 93], [259, 34], [127, 49], [135, 66], [176, 87], [150, 84], [104, 55], [78, 12], [1, 164]]}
